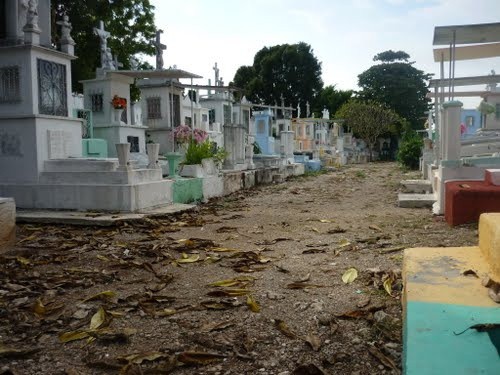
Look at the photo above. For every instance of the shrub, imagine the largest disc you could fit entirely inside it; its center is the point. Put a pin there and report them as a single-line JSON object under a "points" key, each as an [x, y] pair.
{"points": [[198, 151], [410, 150]]}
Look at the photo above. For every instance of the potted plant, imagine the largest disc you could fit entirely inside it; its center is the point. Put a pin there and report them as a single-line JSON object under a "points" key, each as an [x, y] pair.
{"points": [[201, 155], [119, 104]]}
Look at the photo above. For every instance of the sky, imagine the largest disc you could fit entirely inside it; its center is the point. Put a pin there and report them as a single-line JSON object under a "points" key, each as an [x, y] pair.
{"points": [[344, 34]]}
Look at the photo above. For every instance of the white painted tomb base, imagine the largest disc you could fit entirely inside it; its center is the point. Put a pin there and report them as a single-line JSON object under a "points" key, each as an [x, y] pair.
{"points": [[85, 184]]}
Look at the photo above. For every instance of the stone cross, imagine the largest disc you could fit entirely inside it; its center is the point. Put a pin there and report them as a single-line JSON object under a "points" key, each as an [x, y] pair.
{"points": [[159, 50], [116, 63], [103, 36], [65, 30], [216, 70]]}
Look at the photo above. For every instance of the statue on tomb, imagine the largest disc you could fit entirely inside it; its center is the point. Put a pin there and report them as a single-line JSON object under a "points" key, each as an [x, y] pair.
{"points": [[159, 50], [21, 15], [103, 37], [326, 113], [298, 109], [32, 15], [216, 70], [66, 30], [493, 85], [134, 62], [308, 109], [108, 61]]}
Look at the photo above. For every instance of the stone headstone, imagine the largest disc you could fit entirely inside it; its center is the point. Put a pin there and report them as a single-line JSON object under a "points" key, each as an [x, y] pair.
{"points": [[59, 141]]}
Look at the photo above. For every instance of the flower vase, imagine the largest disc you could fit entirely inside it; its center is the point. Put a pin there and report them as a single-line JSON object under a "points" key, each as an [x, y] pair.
{"points": [[174, 159], [153, 150], [117, 115]]}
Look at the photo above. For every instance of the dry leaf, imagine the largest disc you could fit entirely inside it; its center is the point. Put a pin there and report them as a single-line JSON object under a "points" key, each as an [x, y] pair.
{"points": [[309, 369], [313, 341], [102, 295], [470, 272], [252, 304], [72, 336], [6, 352], [284, 329], [388, 286], [344, 243], [355, 314], [98, 319], [188, 259], [313, 251], [240, 281], [199, 358], [215, 326], [325, 221], [228, 292], [39, 307], [386, 361], [138, 358], [222, 249], [375, 227], [299, 285], [350, 275]]}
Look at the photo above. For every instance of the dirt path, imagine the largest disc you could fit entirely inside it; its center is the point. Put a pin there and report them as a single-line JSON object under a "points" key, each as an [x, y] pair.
{"points": [[137, 299]]}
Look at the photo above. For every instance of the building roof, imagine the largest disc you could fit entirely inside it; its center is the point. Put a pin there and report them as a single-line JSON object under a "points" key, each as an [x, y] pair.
{"points": [[465, 81], [164, 73], [467, 34], [480, 51]]}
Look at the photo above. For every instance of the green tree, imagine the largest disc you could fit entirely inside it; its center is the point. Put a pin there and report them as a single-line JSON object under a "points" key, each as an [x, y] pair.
{"points": [[410, 149], [398, 84], [290, 70], [331, 99], [130, 22], [368, 120]]}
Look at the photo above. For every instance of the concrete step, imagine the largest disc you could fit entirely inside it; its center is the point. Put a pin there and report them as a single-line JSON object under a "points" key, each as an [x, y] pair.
{"points": [[416, 200], [417, 186]]}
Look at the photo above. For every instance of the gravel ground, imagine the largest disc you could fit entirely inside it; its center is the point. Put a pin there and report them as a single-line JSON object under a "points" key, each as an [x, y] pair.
{"points": [[302, 277]]}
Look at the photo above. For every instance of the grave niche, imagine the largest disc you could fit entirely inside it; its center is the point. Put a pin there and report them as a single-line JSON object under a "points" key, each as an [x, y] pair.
{"points": [[134, 143]]}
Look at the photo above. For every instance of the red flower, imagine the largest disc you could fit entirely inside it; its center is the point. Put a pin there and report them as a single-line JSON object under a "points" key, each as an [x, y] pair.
{"points": [[118, 103]]}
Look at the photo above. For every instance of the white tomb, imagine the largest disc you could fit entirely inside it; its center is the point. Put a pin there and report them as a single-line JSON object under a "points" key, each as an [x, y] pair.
{"points": [[41, 162]]}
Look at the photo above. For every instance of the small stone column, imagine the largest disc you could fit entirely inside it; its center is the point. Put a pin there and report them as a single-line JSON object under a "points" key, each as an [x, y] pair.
{"points": [[451, 130], [123, 152], [153, 150]]}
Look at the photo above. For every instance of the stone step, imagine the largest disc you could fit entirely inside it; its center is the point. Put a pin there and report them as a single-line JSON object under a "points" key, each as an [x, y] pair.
{"points": [[80, 165], [416, 200], [134, 176], [417, 186]]}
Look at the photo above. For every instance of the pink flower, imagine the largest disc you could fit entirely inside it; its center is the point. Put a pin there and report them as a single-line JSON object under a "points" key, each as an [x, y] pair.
{"points": [[184, 134]]}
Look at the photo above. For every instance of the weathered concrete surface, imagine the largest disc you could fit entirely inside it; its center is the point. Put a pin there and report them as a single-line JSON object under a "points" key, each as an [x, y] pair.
{"points": [[95, 218], [417, 186], [439, 300], [416, 200], [489, 242], [7, 222]]}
